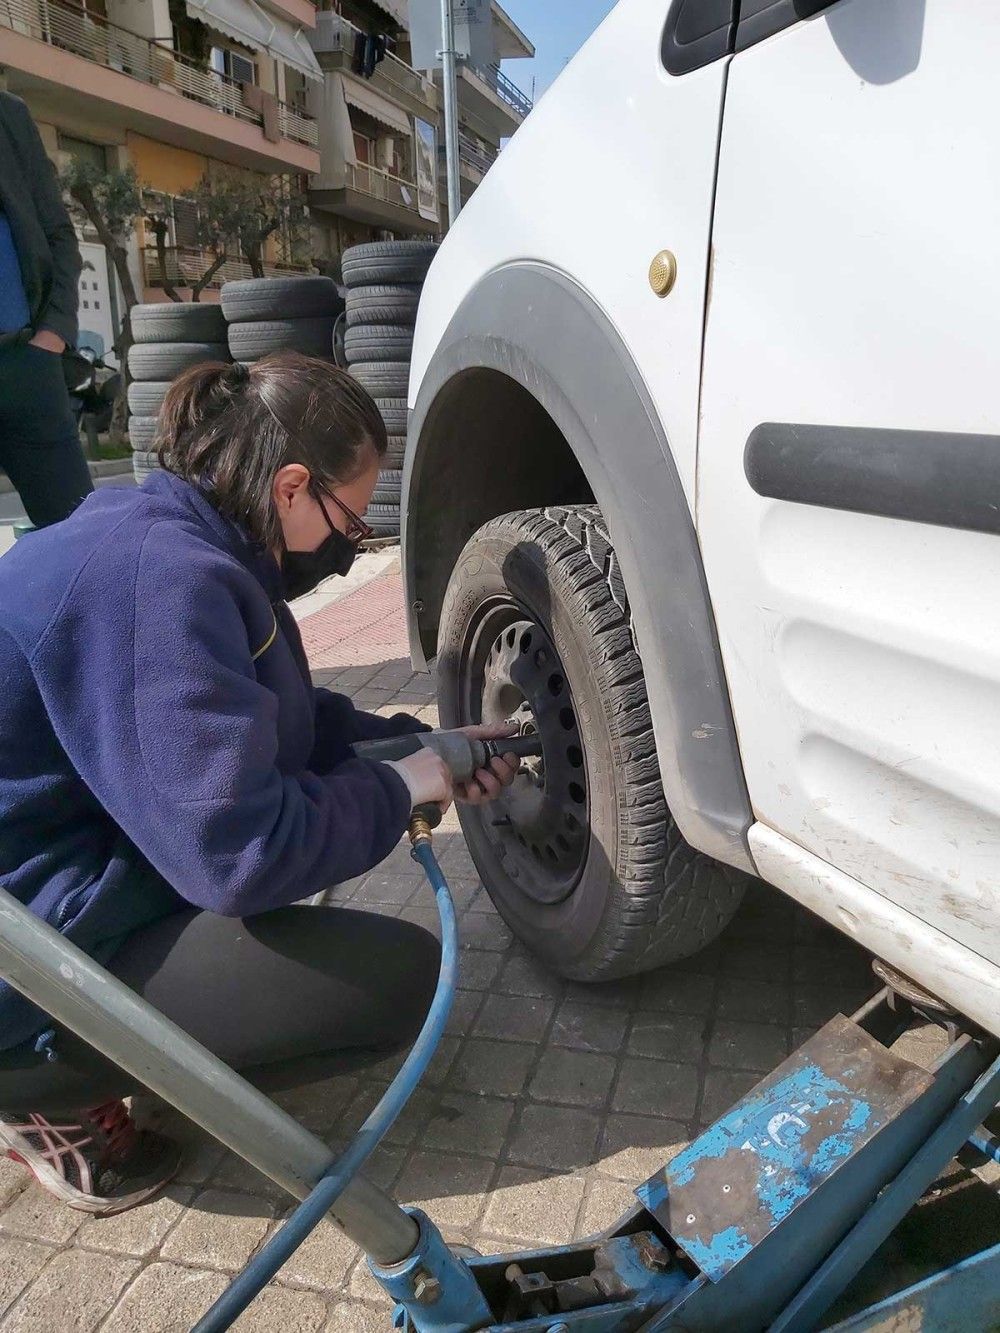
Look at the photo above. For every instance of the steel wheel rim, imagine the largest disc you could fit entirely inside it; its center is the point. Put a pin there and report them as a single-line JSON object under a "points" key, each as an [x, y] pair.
{"points": [[538, 829]]}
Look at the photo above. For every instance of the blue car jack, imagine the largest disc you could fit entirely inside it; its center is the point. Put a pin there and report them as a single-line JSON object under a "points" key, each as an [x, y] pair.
{"points": [[761, 1223]]}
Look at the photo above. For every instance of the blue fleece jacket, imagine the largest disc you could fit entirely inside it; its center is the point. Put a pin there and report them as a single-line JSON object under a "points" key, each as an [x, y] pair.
{"points": [[161, 743]]}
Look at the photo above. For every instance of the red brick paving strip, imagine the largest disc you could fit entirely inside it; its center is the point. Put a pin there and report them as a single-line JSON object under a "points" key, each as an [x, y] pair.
{"points": [[367, 627]]}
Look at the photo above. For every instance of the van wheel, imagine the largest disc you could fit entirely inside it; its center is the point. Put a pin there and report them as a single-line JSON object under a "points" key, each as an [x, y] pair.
{"points": [[581, 856]]}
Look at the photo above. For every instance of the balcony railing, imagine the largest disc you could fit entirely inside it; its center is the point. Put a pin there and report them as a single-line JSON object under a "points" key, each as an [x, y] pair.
{"points": [[470, 152], [507, 92], [336, 34], [186, 264], [378, 184], [69, 27]]}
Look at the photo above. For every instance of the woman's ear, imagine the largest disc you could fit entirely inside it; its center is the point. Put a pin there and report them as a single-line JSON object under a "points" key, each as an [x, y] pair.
{"points": [[291, 482]]}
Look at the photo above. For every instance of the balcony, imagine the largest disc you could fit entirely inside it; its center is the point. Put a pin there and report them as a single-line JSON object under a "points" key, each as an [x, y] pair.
{"points": [[185, 265], [472, 156], [333, 41], [376, 197], [493, 106], [111, 73], [508, 92]]}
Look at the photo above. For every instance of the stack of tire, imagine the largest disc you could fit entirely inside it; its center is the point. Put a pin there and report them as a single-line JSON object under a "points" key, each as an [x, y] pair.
{"points": [[383, 282], [167, 339], [268, 315]]}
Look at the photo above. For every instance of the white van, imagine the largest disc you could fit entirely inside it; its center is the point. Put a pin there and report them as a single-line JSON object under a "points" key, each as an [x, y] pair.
{"points": [[703, 484]]}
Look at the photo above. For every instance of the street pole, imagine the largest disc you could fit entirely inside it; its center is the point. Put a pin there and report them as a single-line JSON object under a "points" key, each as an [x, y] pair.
{"points": [[450, 88]]}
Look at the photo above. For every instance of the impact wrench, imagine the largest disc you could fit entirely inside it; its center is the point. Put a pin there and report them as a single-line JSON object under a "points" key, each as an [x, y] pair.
{"points": [[463, 756]]}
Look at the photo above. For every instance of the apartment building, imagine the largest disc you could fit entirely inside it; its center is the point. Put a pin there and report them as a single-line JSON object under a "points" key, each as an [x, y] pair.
{"points": [[490, 106], [179, 89], [324, 103], [382, 170], [378, 121]]}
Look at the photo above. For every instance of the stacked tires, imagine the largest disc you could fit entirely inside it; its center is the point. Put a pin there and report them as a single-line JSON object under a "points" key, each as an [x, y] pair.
{"points": [[168, 338], [383, 283], [268, 315]]}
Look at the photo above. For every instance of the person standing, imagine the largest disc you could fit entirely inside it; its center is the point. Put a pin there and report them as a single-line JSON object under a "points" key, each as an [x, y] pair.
{"points": [[39, 271]]}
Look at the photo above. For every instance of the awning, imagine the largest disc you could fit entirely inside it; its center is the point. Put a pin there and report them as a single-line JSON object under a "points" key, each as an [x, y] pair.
{"points": [[373, 104], [246, 22], [397, 9]]}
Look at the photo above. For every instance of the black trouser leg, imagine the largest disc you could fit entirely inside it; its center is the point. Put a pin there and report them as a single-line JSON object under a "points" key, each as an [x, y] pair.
{"points": [[40, 446], [284, 998]]}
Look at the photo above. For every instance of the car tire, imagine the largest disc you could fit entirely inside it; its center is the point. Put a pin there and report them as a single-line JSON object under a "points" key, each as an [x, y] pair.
{"points": [[280, 298], [394, 413], [383, 380], [373, 343], [144, 461], [311, 337], [388, 488], [162, 361], [581, 856], [339, 355], [381, 263], [178, 322], [383, 305], [145, 397], [141, 433]]}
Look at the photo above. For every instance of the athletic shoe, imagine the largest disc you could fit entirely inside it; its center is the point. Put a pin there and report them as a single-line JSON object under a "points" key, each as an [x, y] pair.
{"points": [[98, 1163]]}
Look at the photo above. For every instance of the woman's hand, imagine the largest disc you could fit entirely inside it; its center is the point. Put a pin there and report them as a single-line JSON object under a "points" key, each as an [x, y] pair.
{"points": [[489, 783], [427, 776]]}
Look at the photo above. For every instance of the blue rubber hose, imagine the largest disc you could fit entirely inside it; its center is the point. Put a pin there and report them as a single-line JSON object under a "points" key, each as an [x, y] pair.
{"points": [[311, 1211]]}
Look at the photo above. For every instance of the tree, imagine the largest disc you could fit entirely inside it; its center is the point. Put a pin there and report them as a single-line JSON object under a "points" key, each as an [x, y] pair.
{"points": [[109, 201], [238, 211], [158, 221]]}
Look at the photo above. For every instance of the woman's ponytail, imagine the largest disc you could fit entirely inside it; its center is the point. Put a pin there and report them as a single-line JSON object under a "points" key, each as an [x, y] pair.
{"points": [[195, 397]]}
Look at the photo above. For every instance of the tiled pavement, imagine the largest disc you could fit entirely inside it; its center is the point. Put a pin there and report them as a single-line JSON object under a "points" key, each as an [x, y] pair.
{"points": [[547, 1103]]}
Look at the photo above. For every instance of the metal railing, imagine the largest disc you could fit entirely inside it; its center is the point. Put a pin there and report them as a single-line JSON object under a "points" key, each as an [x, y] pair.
{"points": [[507, 92], [335, 33], [379, 184], [296, 124], [69, 27], [470, 152], [185, 265]]}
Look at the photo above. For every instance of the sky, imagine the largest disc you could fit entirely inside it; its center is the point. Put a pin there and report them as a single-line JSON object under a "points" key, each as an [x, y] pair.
{"points": [[558, 29]]}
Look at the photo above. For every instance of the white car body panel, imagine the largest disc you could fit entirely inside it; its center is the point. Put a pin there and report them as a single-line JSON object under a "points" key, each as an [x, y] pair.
{"points": [[590, 186], [854, 283]]}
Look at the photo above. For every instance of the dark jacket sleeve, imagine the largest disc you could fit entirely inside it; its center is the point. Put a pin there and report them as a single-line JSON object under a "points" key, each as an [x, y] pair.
{"points": [[188, 766], [339, 724], [60, 311]]}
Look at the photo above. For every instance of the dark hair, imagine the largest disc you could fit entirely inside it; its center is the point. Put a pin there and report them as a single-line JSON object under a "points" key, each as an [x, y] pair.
{"points": [[229, 428]]}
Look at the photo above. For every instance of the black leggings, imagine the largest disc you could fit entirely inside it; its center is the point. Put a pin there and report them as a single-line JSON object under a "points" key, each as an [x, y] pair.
{"points": [[285, 998]]}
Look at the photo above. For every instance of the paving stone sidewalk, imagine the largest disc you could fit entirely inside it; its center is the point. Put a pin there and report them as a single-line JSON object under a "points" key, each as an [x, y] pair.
{"points": [[546, 1105]]}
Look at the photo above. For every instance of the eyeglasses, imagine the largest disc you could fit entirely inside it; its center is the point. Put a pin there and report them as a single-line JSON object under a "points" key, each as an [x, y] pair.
{"points": [[358, 530]]}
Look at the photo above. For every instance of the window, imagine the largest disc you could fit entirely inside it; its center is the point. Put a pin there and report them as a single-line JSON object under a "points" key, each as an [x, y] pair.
{"points": [[239, 68], [84, 151]]}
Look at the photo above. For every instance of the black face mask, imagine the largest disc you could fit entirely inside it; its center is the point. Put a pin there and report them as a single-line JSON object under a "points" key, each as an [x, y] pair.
{"points": [[301, 571]]}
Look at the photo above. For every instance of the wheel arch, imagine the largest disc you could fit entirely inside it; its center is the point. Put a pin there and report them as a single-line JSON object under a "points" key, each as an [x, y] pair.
{"points": [[525, 390]]}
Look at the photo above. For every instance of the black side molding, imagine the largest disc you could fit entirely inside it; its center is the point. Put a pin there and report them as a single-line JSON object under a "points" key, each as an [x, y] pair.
{"points": [[948, 479]]}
